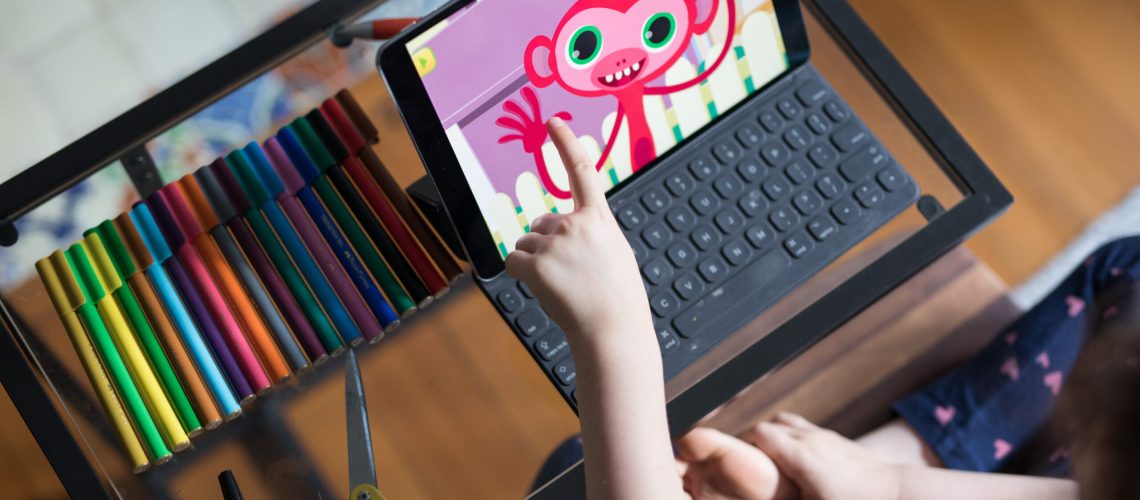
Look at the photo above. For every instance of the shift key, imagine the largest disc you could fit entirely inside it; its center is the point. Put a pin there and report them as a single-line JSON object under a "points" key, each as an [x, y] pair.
{"points": [[721, 300], [862, 163]]}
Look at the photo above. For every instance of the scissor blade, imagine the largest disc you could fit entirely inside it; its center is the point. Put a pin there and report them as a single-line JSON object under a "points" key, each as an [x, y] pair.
{"points": [[361, 466]]}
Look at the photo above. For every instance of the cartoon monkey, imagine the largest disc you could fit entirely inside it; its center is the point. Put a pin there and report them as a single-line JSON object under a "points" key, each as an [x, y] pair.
{"points": [[611, 47]]}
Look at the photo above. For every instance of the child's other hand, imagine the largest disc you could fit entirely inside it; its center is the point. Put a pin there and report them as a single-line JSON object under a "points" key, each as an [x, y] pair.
{"points": [[823, 464], [580, 265], [715, 465]]}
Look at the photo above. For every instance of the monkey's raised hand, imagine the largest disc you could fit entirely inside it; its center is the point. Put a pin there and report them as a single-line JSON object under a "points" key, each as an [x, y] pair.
{"points": [[530, 127]]}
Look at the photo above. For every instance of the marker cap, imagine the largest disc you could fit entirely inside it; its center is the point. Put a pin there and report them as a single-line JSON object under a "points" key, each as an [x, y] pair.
{"points": [[297, 155], [109, 279], [183, 215], [210, 186], [343, 126], [164, 219], [194, 197], [134, 241], [284, 168], [61, 285], [148, 228], [225, 176], [116, 249], [322, 158], [263, 171], [359, 117], [327, 135], [85, 275], [239, 164]]}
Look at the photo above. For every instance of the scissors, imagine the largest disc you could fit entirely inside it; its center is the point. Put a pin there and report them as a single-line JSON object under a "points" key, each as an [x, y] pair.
{"points": [[361, 466]]}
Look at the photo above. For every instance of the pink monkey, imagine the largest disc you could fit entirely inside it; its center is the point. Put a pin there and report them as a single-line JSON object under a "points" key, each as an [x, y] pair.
{"points": [[612, 47]]}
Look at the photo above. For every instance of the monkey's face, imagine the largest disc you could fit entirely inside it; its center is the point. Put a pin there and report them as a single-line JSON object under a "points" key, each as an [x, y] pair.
{"points": [[601, 50]]}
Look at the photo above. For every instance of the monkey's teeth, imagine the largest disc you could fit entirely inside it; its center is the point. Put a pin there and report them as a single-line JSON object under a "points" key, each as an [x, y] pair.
{"points": [[609, 78], [626, 72], [636, 66], [618, 75]]}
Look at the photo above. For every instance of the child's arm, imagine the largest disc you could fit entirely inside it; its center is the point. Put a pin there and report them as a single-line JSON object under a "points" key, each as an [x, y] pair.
{"points": [[583, 272]]}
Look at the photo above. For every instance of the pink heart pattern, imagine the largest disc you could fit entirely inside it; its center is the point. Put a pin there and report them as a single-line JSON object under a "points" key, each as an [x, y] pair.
{"points": [[944, 414], [1011, 338], [1001, 448], [1076, 305], [1043, 360], [1058, 454], [1010, 368], [1053, 381]]}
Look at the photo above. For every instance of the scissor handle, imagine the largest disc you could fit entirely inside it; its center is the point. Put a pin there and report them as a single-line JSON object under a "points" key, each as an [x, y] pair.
{"points": [[365, 492]]}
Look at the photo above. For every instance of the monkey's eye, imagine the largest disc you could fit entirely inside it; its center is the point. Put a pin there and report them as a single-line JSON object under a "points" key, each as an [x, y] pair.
{"points": [[585, 45], [659, 30]]}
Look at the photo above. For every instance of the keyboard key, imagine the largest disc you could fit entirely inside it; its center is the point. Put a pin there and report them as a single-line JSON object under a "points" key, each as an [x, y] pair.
{"points": [[565, 372], [703, 168], [863, 162], [798, 173], [727, 186], [751, 170], [729, 220], [657, 235], [726, 152], [682, 254], [788, 108], [679, 183], [783, 218], [822, 155], [667, 340], [849, 137], [770, 121], [829, 186], [631, 217], [664, 304], [775, 153], [822, 228], [510, 300], [552, 345], [712, 269], [720, 301], [749, 136], [705, 238], [798, 245], [531, 322], [807, 202], [656, 200], [811, 93], [736, 252], [891, 179], [845, 211], [689, 286], [657, 271], [818, 124], [526, 290], [776, 188], [704, 202], [759, 236], [868, 195], [836, 112], [797, 137], [753, 203], [681, 219]]}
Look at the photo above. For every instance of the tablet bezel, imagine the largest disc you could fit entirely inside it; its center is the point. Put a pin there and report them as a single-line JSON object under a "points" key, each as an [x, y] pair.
{"points": [[420, 118]]}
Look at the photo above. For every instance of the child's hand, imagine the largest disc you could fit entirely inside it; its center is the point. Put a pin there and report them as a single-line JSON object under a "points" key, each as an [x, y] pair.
{"points": [[580, 265], [823, 464], [715, 465]]}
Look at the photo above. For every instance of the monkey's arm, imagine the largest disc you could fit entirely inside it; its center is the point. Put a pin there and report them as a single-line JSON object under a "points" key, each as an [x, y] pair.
{"points": [[669, 89], [544, 172]]}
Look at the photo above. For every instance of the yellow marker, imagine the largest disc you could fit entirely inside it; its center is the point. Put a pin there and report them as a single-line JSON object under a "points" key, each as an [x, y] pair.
{"points": [[140, 370], [67, 297]]}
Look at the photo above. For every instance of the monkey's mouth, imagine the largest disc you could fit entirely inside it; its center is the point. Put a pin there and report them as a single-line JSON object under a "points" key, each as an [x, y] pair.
{"points": [[622, 77]]}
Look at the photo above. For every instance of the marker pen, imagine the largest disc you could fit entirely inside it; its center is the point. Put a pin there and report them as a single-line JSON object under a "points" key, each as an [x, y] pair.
{"points": [[258, 215], [97, 282], [358, 132], [315, 166], [362, 185], [119, 268], [349, 261], [218, 399], [287, 287], [325, 258], [230, 339], [68, 298], [282, 341], [263, 370]]}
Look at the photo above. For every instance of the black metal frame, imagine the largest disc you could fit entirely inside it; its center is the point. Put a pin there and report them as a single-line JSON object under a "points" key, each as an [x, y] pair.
{"points": [[985, 199]]}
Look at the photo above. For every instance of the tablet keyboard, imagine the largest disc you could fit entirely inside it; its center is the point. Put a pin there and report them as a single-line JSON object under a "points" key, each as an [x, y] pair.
{"points": [[741, 216]]}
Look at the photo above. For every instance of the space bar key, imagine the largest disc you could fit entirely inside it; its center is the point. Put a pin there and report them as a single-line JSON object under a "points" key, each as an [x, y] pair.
{"points": [[747, 281]]}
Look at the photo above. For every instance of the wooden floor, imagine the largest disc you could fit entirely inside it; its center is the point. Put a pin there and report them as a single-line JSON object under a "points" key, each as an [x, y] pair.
{"points": [[1044, 91]]}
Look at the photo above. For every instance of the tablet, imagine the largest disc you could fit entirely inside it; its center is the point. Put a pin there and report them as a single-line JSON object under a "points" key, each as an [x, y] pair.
{"points": [[475, 82]]}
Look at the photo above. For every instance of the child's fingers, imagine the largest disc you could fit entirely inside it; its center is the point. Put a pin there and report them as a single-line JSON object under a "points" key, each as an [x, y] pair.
{"points": [[545, 223], [520, 265], [585, 186], [700, 444], [778, 443], [794, 420], [530, 243]]}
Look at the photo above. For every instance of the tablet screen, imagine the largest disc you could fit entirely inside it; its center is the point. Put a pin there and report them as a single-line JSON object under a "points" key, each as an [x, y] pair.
{"points": [[496, 70]]}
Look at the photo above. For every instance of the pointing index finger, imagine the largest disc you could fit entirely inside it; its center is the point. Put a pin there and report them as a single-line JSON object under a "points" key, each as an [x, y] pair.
{"points": [[585, 186]]}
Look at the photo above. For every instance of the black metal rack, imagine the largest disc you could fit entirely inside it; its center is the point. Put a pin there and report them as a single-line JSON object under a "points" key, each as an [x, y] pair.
{"points": [[984, 199]]}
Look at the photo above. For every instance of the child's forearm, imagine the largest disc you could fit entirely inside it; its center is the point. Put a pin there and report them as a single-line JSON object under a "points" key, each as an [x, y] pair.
{"points": [[927, 483], [621, 402]]}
